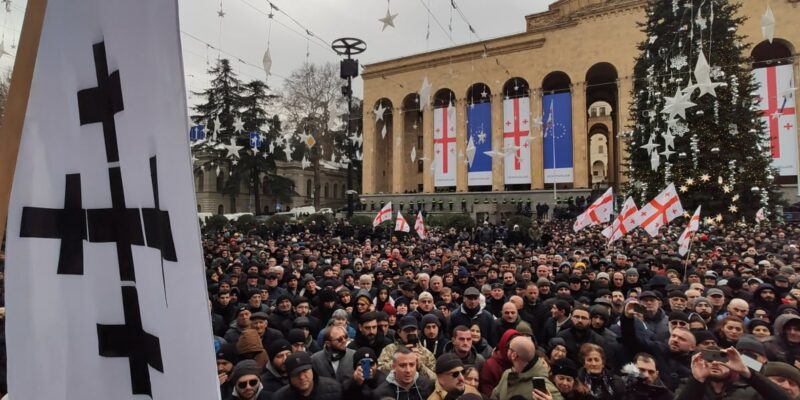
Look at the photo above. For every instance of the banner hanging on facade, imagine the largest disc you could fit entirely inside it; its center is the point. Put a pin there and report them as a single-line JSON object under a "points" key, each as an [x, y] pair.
{"points": [[516, 142], [779, 114], [479, 129], [444, 146], [557, 145]]}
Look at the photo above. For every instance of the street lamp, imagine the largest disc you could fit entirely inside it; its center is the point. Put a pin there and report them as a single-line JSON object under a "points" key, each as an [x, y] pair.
{"points": [[349, 70]]}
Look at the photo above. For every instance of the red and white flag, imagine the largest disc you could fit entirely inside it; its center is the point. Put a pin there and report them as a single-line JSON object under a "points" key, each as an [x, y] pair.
{"points": [[624, 223], [660, 211], [597, 213], [385, 214], [419, 226], [761, 215], [400, 223], [686, 236]]}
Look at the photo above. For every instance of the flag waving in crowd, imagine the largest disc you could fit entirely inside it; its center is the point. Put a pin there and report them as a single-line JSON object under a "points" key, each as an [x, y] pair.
{"points": [[419, 226], [760, 215], [597, 213], [686, 237], [660, 211], [385, 214], [624, 223], [400, 223]]}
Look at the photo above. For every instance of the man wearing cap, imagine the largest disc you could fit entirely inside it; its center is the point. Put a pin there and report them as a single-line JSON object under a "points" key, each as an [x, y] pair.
{"points": [[260, 322], [717, 298], [677, 300], [433, 336], [304, 384], [242, 322], [471, 312], [702, 307], [450, 381], [335, 360], [356, 387], [654, 317], [785, 376], [274, 376], [246, 383], [427, 307], [227, 357], [408, 337]]}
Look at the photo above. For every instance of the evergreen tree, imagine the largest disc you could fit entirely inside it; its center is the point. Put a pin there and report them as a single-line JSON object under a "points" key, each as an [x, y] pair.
{"points": [[228, 101], [716, 150]]}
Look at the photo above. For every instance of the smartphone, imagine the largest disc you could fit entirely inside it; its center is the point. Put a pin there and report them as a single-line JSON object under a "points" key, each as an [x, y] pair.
{"points": [[714, 355], [412, 339], [539, 384], [639, 308], [366, 365], [751, 363]]}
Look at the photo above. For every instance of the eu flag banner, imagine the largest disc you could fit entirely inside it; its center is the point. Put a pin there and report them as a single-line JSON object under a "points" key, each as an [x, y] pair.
{"points": [[197, 132], [516, 144], [557, 146], [444, 146], [104, 264], [479, 129], [779, 114]]}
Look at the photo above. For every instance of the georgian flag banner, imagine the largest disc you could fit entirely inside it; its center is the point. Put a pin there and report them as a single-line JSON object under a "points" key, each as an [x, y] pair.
{"points": [[624, 223], [385, 214], [598, 212], [104, 265], [776, 93], [516, 146], [761, 215], [444, 146], [660, 211], [686, 237], [400, 223], [419, 226]]}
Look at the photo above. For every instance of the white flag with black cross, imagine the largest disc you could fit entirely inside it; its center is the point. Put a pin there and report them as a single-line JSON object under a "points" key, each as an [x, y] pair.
{"points": [[106, 295]]}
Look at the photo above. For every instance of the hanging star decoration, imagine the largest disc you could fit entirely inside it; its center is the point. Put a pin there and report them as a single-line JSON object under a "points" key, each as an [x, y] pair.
{"points": [[388, 20], [705, 177], [726, 189], [383, 132], [768, 24], [689, 182], [413, 153], [677, 105], [718, 218], [232, 148], [481, 137], [655, 161], [709, 221], [266, 61], [470, 151], [732, 208], [425, 93], [702, 74], [735, 197], [651, 145], [305, 163], [238, 125], [379, 112], [684, 189]]}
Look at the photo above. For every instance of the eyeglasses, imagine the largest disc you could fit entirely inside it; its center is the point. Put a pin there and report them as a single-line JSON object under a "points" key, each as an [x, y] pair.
{"points": [[340, 339], [245, 384], [678, 323], [456, 374]]}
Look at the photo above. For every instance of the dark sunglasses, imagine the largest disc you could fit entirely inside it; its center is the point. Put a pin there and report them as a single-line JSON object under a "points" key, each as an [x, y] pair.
{"points": [[456, 374], [245, 384]]}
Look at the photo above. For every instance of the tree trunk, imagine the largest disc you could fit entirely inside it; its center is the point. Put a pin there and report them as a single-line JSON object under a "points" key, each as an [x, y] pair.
{"points": [[256, 189]]}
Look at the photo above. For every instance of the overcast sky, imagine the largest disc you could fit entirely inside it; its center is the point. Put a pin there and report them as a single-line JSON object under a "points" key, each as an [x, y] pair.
{"points": [[243, 33]]}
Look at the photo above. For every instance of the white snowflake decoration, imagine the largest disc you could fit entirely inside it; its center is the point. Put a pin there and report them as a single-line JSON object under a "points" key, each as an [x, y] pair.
{"points": [[678, 62]]}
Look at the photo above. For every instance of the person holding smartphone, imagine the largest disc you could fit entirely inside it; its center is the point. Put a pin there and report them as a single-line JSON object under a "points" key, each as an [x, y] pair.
{"points": [[366, 376]]}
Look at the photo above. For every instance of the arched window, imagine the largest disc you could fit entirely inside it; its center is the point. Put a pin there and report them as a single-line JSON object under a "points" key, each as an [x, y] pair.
{"points": [[199, 180], [220, 181], [220, 209]]}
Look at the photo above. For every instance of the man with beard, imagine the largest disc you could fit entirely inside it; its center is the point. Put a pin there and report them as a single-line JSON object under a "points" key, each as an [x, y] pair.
{"points": [[305, 384], [728, 380], [677, 300], [432, 337], [227, 356], [302, 308], [784, 346], [247, 384], [702, 307], [470, 311], [408, 337], [282, 316], [368, 334], [580, 333], [335, 360], [509, 319], [672, 357], [559, 320], [274, 376], [450, 382], [764, 297], [600, 315]]}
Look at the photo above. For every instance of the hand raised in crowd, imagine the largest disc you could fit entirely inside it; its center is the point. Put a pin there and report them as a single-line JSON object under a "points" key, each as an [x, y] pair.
{"points": [[736, 364], [539, 395], [700, 368], [358, 375]]}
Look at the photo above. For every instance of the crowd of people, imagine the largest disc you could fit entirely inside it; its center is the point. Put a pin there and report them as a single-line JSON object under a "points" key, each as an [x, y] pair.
{"points": [[332, 312]]}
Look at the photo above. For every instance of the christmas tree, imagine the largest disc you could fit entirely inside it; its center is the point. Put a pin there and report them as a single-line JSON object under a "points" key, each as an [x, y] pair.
{"points": [[696, 120], [242, 140]]}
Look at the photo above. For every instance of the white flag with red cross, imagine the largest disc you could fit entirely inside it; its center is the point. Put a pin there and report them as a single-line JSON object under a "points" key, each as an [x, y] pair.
{"points": [[444, 146], [778, 112], [660, 211], [624, 223], [385, 214], [597, 213], [516, 145], [419, 226], [400, 223], [686, 236], [761, 215]]}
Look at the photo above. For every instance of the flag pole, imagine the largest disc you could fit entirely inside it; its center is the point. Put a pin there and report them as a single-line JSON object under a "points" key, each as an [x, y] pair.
{"points": [[17, 101], [688, 253]]}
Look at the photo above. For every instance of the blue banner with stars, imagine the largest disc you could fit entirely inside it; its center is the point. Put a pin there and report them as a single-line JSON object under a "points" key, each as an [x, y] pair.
{"points": [[479, 129], [557, 146]]}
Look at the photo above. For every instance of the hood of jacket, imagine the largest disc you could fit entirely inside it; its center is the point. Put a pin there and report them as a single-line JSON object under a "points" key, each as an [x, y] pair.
{"points": [[539, 368], [781, 322], [501, 353], [393, 381]]}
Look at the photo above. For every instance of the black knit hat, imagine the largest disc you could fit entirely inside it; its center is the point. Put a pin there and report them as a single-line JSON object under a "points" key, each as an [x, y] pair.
{"points": [[564, 366], [228, 352], [448, 361], [362, 353], [246, 367], [775, 368], [277, 347]]}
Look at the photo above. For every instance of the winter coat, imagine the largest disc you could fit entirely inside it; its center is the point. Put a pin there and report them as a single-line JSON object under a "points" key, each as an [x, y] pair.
{"points": [[521, 383], [500, 326], [576, 338], [419, 390], [758, 387], [436, 346], [658, 324], [365, 391], [605, 386], [260, 395], [322, 366], [463, 316], [473, 358], [672, 367], [642, 391], [778, 348], [426, 359], [272, 379], [440, 394], [483, 348], [493, 367], [361, 341], [324, 389]]}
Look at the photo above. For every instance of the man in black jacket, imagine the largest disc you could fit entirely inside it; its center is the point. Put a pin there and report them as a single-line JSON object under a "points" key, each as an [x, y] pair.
{"points": [[368, 334], [580, 333], [303, 384]]}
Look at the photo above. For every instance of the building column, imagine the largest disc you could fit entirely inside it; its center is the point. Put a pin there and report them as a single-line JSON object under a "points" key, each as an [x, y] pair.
{"points": [[427, 139], [624, 124], [580, 162], [537, 143], [498, 163], [368, 163], [399, 160], [462, 161]]}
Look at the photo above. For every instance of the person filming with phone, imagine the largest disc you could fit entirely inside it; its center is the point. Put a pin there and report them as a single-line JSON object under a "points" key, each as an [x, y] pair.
{"points": [[721, 374], [366, 376], [408, 337]]}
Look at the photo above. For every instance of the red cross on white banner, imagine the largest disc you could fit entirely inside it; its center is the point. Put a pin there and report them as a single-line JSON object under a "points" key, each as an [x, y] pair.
{"points": [[597, 213], [624, 223], [445, 139], [661, 210], [775, 108], [686, 237], [385, 214], [516, 133]]}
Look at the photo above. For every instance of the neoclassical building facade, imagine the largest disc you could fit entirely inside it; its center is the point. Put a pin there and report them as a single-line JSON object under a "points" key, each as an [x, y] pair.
{"points": [[583, 48]]}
